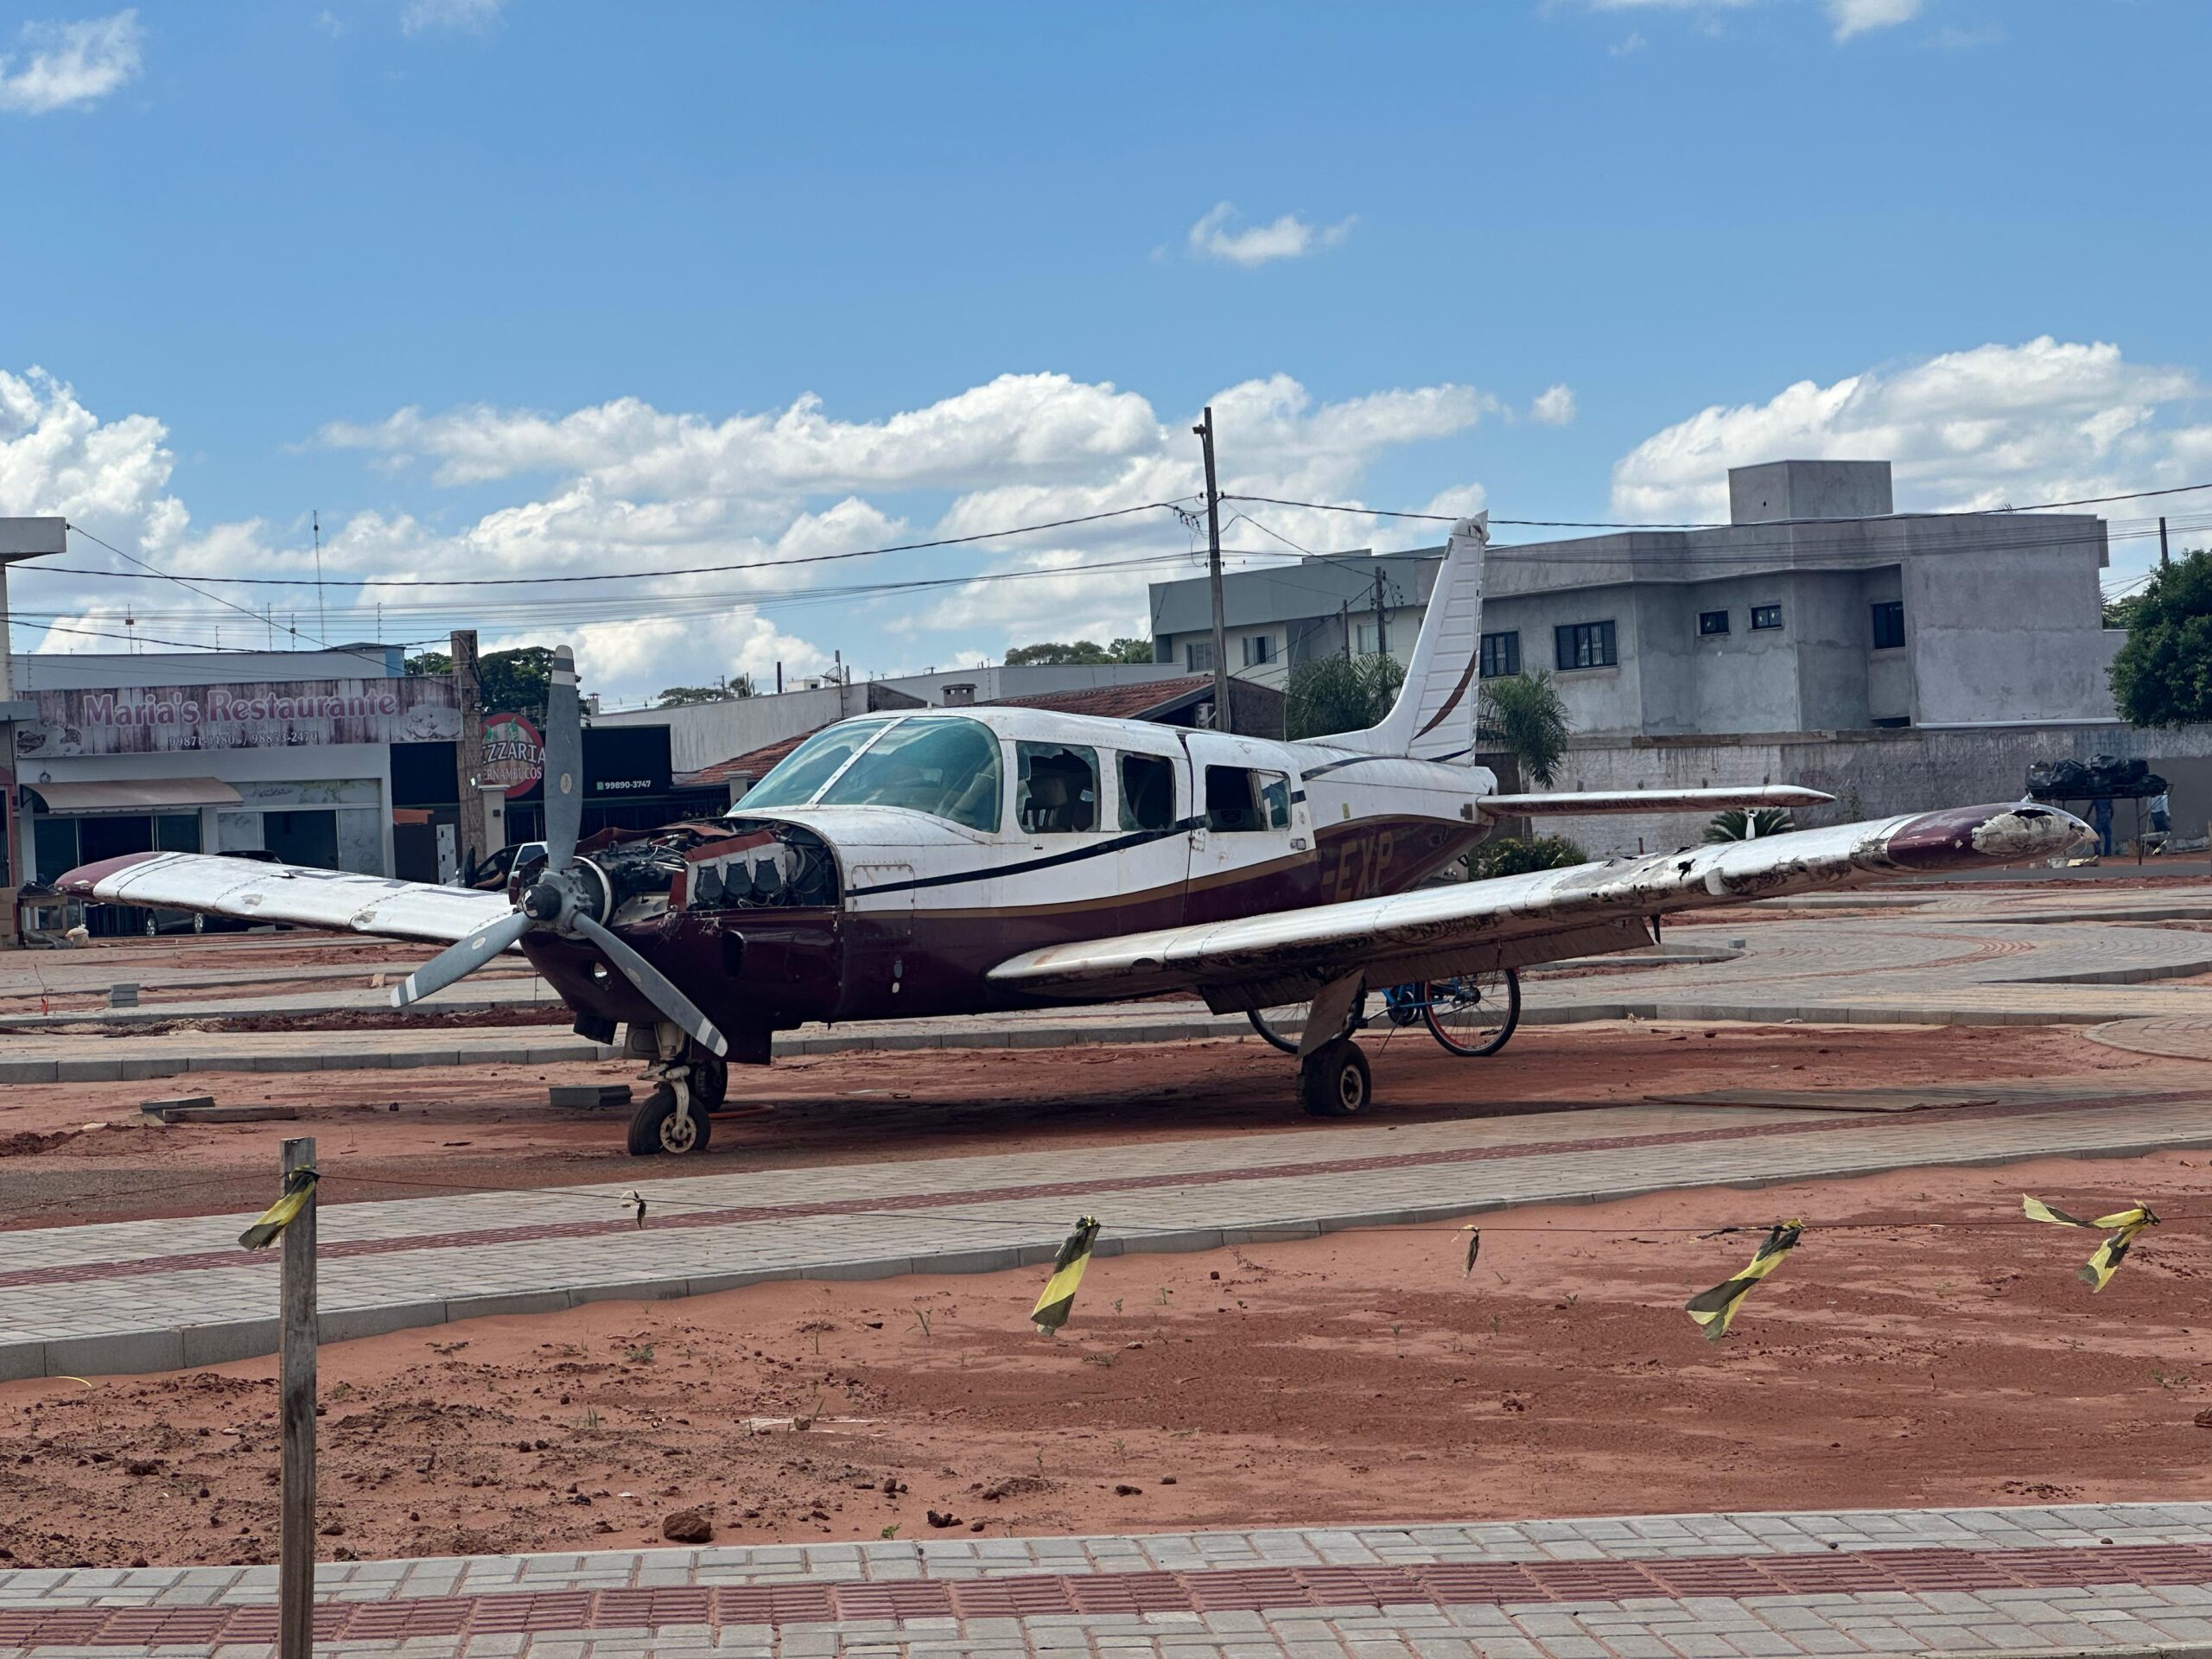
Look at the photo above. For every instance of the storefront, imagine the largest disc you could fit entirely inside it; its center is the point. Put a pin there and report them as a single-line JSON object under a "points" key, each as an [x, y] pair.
{"points": [[287, 754]]}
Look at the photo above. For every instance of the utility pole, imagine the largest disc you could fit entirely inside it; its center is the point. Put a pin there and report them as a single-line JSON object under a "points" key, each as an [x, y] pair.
{"points": [[468, 754], [1344, 627], [2165, 559], [321, 611], [1382, 627], [1222, 719]]}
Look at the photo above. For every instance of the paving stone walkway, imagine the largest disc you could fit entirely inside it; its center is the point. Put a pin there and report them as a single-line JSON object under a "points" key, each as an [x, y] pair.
{"points": [[155, 1295], [1668, 1586]]}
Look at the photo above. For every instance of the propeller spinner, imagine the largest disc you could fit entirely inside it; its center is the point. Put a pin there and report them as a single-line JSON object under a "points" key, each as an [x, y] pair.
{"points": [[571, 897]]}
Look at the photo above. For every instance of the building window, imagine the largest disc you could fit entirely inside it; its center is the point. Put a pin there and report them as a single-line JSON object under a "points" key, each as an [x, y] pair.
{"points": [[1259, 648], [1367, 639], [1889, 625], [1148, 792], [1059, 790], [959, 696], [1586, 644], [1766, 616], [1501, 658], [1197, 656], [1711, 622]]}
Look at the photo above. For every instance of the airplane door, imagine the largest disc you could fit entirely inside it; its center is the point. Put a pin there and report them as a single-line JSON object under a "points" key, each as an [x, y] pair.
{"points": [[1252, 847]]}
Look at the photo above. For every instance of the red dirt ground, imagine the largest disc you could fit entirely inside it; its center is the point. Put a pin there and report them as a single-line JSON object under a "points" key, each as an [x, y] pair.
{"points": [[1359, 1377], [83, 1152]]}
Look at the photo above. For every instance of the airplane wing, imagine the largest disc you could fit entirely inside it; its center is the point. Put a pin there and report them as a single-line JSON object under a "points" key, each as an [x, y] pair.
{"points": [[254, 892], [1648, 800], [1511, 921]]}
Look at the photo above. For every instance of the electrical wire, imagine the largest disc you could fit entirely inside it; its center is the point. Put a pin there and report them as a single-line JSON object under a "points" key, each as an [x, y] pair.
{"points": [[1623, 523], [600, 575]]}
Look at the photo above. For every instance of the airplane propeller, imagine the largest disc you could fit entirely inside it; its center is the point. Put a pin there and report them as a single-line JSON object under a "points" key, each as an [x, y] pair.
{"points": [[570, 896]]}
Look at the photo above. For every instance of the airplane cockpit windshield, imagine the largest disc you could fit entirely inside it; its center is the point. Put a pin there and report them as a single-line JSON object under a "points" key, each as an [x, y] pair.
{"points": [[947, 768]]}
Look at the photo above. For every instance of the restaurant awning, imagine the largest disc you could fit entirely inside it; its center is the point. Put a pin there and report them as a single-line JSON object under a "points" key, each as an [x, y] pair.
{"points": [[136, 795]]}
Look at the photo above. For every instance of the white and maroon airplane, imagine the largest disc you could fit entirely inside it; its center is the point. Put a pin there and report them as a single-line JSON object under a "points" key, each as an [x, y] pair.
{"points": [[940, 862]]}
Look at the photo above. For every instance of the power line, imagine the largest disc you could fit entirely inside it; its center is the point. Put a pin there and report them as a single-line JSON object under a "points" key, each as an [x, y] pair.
{"points": [[601, 575], [1619, 523]]}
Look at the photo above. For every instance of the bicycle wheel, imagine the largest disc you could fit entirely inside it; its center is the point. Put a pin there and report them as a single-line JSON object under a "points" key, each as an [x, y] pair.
{"points": [[1475, 1013]]}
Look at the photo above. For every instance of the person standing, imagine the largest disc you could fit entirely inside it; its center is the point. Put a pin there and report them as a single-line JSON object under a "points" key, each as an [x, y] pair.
{"points": [[2100, 819]]}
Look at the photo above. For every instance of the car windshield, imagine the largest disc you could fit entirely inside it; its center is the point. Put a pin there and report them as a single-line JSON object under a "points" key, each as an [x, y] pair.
{"points": [[947, 768], [799, 777]]}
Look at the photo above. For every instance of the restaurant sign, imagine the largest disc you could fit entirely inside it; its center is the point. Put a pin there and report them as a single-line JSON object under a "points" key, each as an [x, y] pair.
{"points": [[260, 714]]}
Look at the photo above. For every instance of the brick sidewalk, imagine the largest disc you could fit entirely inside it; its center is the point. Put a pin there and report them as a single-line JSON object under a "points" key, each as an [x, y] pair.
{"points": [[1688, 1586], [107, 1298]]}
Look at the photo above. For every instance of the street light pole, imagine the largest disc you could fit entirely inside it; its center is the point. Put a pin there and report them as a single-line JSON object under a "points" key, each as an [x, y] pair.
{"points": [[1222, 719]]}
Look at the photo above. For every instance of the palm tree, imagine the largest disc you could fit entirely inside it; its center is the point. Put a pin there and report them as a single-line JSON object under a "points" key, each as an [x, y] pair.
{"points": [[1765, 821], [1521, 714]]}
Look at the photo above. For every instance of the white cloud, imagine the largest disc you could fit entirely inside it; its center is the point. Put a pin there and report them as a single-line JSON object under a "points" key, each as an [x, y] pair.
{"points": [[1628, 45], [474, 16], [1215, 236], [626, 486], [1856, 16], [70, 64], [2046, 420], [1554, 406]]}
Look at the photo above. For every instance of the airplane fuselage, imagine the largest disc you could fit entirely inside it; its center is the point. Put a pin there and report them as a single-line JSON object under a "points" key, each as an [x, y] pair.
{"points": [[864, 889]]}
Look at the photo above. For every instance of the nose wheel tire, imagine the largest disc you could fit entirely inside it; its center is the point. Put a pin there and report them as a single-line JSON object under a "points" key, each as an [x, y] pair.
{"points": [[1333, 1081], [655, 1127]]}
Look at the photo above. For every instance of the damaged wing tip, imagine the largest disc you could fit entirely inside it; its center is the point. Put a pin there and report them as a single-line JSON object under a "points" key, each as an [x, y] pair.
{"points": [[79, 882], [1976, 838]]}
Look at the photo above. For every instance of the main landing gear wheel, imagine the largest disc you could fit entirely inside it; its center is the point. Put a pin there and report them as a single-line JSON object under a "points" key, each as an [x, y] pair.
{"points": [[1333, 1080], [655, 1127], [1474, 1014]]}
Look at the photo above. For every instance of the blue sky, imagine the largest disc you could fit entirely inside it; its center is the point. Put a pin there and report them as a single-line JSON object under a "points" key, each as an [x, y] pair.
{"points": [[536, 288]]}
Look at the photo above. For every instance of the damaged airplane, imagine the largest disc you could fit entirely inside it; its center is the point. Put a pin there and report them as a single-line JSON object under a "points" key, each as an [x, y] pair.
{"points": [[912, 864]]}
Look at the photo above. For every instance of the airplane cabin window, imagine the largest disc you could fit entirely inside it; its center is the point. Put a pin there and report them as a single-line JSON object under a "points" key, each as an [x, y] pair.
{"points": [[1231, 805], [1148, 791], [947, 768], [1275, 798], [1057, 791], [795, 780]]}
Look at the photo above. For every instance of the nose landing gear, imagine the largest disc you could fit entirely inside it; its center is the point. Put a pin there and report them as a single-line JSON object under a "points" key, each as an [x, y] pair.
{"points": [[687, 1085]]}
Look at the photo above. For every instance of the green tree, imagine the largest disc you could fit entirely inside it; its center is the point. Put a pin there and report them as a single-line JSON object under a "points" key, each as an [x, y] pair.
{"points": [[1335, 693], [1081, 651], [1521, 714], [2163, 675], [684, 697], [513, 682], [1732, 825], [2121, 613]]}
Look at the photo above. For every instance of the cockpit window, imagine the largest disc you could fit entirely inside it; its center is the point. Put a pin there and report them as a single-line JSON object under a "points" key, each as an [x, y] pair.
{"points": [[947, 768], [799, 777]]}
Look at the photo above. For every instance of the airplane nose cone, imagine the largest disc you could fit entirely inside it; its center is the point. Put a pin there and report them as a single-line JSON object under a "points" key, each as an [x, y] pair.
{"points": [[1978, 837]]}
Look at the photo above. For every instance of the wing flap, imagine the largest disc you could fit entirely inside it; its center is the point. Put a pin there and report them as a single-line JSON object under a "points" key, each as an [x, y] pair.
{"points": [[250, 890], [1449, 924]]}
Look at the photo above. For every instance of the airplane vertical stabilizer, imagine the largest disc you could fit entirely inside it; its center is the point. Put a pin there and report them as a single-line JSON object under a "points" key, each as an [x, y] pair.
{"points": [[1435, 716]]}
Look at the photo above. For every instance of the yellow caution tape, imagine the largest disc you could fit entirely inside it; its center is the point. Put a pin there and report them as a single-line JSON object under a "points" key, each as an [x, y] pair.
{"points": [[1052, 1310], [1716, 1308], [1474, 1247], [2104, 1259], [299, 1187], [634, 1202]]}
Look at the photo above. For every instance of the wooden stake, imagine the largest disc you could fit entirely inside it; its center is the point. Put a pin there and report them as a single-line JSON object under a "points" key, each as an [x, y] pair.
{"points": [[296, 1519]]}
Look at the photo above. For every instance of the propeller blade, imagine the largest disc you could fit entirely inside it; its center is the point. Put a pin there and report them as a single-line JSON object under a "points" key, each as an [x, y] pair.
{"points": [[655, 985], [456, 960], [564, 761]]}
